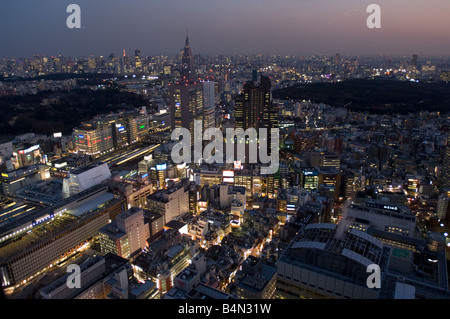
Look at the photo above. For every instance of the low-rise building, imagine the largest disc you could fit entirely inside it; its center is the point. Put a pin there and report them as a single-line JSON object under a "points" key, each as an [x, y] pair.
{"points": [[256, 280], [101, 277], [126, 235], [170, 203]]}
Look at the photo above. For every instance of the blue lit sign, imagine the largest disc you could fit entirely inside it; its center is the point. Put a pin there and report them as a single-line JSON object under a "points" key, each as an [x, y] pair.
{"points": [[161, 167], [121, 129], [80, 136]]}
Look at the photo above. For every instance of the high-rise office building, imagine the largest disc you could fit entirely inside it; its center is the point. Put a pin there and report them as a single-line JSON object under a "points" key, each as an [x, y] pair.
{"points": [[443, 206], [186, 105], [414, 59], [209, 105], [445, 174], [138, 59], [254, 107], [137, 54]]}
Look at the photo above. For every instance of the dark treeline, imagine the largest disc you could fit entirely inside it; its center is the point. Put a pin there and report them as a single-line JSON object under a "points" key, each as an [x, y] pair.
{"points": [[374, 96], [60, 111]]}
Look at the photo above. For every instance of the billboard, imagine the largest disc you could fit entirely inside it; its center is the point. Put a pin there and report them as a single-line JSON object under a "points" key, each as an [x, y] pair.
{"points": [[161, 167], [228, 173]]}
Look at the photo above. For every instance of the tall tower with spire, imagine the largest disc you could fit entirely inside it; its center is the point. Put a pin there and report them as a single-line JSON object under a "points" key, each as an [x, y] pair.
{"points": [[186, 96], [187, 62]]}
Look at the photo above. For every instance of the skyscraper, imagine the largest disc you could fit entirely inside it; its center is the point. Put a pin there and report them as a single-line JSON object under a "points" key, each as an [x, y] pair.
{"points": [[138, 59], [186, 101], [186, 97], [187, 62], [254, 107], [137, 54], [445, 174], [209, 104], [414, 60]]}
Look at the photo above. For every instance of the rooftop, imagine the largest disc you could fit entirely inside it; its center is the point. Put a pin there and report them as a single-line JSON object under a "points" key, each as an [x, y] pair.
{"points": [[201, 291], [163, 194], [187, 274], [45, 192], [385, 208], [328, 248], [129, 212], [112, 231], [63, 279], [258, 281], [110, 263], [96, 203], [36, 235], [86, 168]]}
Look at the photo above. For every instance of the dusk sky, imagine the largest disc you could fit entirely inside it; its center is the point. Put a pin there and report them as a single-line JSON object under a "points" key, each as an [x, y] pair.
{"points": [[286, 27]]}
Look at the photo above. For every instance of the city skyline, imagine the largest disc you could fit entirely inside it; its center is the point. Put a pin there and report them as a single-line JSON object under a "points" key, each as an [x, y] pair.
{"points": [[286, 28], [347, 198]]}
